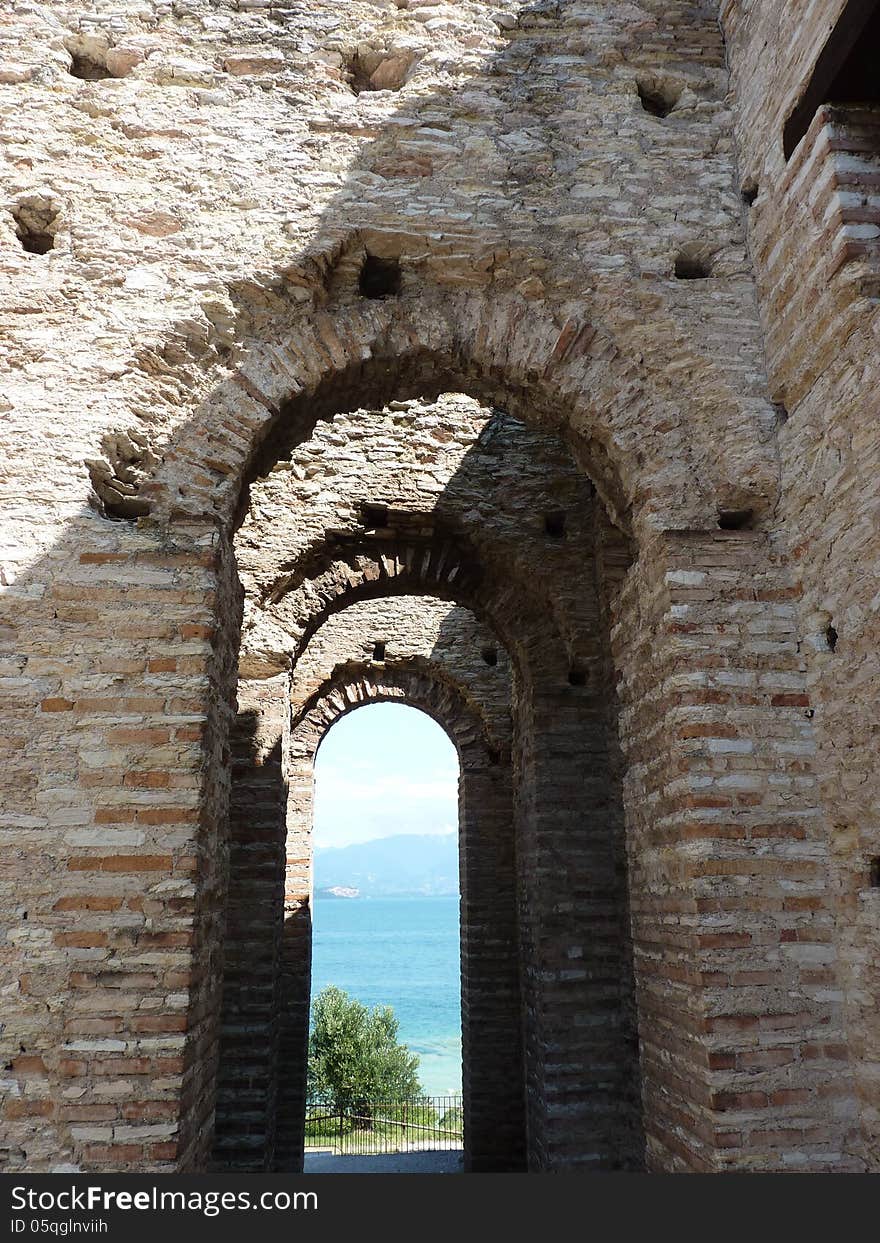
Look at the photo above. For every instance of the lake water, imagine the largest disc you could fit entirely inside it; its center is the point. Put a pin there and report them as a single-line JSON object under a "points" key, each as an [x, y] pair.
{"points": [[403, 953]]}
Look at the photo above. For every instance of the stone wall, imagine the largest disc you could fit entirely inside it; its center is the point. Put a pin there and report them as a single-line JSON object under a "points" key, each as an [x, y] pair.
{"points": [[813, 232], [308, 312]]}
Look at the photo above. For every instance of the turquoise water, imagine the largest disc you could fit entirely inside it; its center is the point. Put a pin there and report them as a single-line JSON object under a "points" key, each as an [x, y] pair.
{"points": [[403, 953]]}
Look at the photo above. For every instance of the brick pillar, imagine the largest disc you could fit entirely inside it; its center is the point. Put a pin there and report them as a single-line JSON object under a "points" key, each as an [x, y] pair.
{"points": [[492, 1062], [295, 961], [121, 967], [248, 1073], [581, 1063], [740, 1021]]}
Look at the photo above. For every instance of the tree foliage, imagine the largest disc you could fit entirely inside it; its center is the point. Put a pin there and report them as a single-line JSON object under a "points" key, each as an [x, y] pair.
{"points": [[354, 1055]]}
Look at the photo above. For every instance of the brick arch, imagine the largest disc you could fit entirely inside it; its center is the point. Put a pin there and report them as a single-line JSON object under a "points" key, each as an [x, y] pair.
{"points": [[279, 958], [491, 1020], [418, 683], [340, 575], [640, 435], [725, 834], [446, 565]]}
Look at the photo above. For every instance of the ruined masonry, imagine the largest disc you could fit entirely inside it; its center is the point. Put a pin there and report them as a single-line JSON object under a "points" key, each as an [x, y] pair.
{"points": [[517, 361]]}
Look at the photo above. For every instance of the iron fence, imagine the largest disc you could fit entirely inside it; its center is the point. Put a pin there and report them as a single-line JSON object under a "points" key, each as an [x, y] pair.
{"points": [[419, 1124]]}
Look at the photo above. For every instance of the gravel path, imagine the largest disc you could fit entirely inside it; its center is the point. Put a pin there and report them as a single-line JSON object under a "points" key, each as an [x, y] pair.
{"points": [[390, 1163]]}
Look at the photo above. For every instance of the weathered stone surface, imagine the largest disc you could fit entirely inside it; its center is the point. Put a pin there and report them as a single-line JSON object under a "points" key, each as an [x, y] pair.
{"points": [[268, 275]]}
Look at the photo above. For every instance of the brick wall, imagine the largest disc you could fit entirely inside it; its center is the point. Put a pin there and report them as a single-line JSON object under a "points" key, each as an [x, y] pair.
{"points": [[561, 189], [247, 1081], [733, 907], [812, 232]]}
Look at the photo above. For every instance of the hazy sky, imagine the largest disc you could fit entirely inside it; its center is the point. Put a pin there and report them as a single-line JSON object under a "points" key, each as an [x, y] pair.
{"points": [[383, 770]]}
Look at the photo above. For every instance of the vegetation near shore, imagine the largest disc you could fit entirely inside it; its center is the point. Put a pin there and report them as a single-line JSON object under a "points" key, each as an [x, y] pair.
{"points": [[355, 1059]]}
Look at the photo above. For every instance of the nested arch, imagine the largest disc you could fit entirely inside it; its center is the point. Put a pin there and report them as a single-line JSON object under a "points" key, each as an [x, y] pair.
{"points": [[564, 823], [419, 632], [641, 438], [491, 1019], [416, 683], [340, 576], [568, 821]]}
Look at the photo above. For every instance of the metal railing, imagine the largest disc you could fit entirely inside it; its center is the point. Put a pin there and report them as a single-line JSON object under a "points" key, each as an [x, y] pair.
{"points": [[419, 1124]]}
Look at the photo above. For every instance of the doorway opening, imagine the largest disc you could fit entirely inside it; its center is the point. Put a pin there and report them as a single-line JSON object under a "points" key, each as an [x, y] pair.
{"points": [[385, 934], [422, 578]]}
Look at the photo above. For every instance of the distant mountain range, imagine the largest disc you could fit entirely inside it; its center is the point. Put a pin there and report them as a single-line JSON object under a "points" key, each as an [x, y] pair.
{"points": [[410, 865]]}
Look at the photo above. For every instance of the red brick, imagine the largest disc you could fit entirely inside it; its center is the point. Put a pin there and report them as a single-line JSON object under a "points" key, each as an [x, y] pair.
{"points": [[86, 902], [80, 940]]}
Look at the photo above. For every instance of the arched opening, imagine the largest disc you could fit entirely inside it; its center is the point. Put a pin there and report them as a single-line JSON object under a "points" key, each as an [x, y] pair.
{"points": [[639, 632], [386, 923], [439, 510], [217, 379], [602, 929], [262, 1081], [570, 380]]}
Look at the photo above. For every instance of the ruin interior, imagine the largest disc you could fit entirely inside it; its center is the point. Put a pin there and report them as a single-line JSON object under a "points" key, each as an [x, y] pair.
{"points": [[512, 360]]}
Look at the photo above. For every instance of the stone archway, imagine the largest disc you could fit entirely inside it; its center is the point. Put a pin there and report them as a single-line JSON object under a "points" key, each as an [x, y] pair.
{"points": [[585, 1096], [625, 423], [262, 1063], [570, 377], [672, 620], [524, 286]]}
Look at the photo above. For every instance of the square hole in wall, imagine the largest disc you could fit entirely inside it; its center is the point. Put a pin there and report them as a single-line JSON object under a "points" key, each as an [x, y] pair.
{"points": [[373, 516], [658, 98], [735, 519], [379, 278], [35, 225], [692, 266], [378, 650], [88, 69], [554, 524]]}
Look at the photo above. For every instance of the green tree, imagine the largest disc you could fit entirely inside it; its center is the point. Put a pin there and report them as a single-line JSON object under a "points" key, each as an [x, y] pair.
{"points": [[354, 1056]]}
